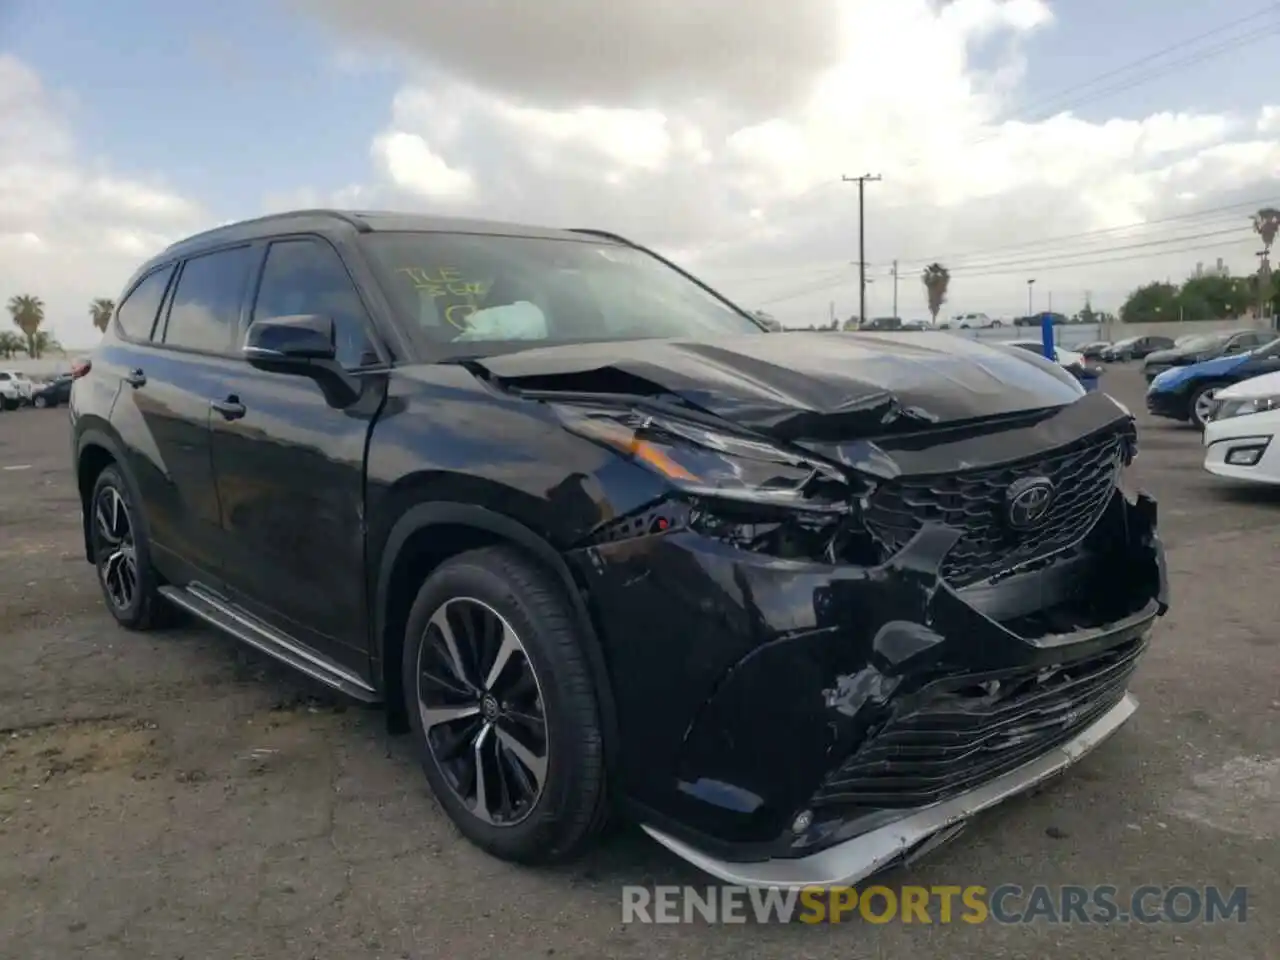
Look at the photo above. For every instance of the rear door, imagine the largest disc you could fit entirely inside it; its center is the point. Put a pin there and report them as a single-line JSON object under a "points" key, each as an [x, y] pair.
{"points": [[168, 377], [290, 466]]}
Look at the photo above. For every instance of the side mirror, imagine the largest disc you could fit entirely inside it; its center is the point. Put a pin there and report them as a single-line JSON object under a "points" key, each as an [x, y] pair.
{"points": [[289, 340]]}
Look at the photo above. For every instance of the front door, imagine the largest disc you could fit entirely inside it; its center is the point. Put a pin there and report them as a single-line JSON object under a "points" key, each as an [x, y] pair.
{"points": [[289, 466]]}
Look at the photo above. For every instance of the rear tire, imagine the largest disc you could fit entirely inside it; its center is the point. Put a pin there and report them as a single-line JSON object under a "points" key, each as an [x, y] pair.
{"points": [[530, 726], [39, 403], [122, 555]]}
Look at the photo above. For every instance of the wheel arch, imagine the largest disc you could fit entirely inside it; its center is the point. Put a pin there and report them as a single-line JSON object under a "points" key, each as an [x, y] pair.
{"points": [[96, 449], [426, 535]]}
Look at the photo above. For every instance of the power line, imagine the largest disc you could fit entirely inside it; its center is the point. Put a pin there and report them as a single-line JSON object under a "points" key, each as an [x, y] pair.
{"points": [[1195, 58], [1269, 9], [1199, 245], [1209, 212], [1058, 256]]}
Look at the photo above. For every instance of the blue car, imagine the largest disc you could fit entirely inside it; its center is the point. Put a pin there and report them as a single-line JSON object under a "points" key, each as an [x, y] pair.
{"points": [[1187, 393]]}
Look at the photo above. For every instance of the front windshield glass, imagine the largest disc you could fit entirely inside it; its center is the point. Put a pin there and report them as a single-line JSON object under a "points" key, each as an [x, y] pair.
{"points": [[474, 294], [1204, 342]]}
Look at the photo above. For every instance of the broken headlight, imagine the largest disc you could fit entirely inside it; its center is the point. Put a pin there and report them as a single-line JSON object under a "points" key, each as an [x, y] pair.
{"points": [[703, 461], [741, 490]]}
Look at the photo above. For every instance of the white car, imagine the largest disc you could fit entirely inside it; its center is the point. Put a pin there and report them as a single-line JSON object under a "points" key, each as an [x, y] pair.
{"points": [[15, 389], [1238, 438], [1065, 357]]}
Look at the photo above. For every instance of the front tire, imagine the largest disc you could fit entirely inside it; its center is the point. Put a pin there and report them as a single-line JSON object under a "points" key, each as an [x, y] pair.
{"points": [[1201, 403], [122, 555], [503, 709]]}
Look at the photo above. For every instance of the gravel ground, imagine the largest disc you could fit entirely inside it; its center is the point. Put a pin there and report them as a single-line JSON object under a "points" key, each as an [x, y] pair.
{"points": [[175, 795]]}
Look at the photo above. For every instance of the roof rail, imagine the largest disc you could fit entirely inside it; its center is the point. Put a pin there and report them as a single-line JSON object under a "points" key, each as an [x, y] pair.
{"points": [[605, 234], [342, 215]]}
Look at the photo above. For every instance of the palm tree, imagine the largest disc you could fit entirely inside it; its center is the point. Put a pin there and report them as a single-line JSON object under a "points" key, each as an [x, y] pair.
{"points": [[936, 279], [1266, 222], [10, 344], [45, 342], [28, 313], [101, 310]]}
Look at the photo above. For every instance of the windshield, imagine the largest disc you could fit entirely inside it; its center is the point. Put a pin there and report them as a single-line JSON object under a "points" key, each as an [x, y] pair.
{"points": [[1203, 342], [474, 295]]}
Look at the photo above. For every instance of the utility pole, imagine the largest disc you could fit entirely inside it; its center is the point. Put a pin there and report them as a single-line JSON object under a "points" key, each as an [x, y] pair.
{"points": [[862, 181], [1030, 309], [895, 288]]}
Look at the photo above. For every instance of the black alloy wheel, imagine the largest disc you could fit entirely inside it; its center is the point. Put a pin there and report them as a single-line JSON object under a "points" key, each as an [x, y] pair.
{"points": [[122, 555], [503, 706], [482, 711], [114, 548]]}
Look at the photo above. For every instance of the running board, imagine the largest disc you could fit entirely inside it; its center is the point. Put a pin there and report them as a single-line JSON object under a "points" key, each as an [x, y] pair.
{"points": [[247, 628]]}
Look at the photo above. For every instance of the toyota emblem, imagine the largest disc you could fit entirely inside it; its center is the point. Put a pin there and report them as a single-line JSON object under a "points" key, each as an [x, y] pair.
{"points": [[1027, 501]]}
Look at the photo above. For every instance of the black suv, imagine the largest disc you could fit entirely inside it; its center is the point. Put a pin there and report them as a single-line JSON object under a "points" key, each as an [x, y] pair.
{"points": [[599, 542]]}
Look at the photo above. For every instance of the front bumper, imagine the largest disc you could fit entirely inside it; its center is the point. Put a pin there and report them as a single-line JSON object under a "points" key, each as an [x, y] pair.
{"points": [[750, 690], [1249, 436], [851, 861], [1171, 404]]}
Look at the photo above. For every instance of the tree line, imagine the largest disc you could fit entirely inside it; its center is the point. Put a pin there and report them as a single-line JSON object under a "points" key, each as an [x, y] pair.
{"points": [[27, 313]]}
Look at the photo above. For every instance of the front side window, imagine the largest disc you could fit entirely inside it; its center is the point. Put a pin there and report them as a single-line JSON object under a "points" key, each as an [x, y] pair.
{"points": [[206, 303], [307, 277], [137, 312], [471, 295]]}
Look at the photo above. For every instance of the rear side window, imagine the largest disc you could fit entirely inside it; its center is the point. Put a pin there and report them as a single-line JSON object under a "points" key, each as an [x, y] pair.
{"points": [[307, 277], [137, 312], [206, 303]]}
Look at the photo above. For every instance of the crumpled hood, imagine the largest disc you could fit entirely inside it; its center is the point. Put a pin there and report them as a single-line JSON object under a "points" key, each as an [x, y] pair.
{"points": [[806, 385]]}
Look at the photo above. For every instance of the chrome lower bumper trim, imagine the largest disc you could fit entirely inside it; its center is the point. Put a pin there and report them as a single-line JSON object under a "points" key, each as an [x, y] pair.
{"points": [[853, 860]]}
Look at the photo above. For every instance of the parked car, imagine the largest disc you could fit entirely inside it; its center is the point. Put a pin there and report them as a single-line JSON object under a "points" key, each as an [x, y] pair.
{"points": [[11, 396], [1037, 319], [1244, 422], [600, 543], [15, 389], [1187, 393], [52, 394], [974, 321], [882, 323], [1135, 348], [1094, 350], [1203, 348], [1070, 359]]}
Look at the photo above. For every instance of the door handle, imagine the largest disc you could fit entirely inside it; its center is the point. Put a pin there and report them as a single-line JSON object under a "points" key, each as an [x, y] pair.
{"points": [[230, 408], [135, 378]]}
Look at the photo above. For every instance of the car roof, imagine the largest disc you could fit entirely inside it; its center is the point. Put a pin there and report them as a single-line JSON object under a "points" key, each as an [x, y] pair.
{"points": [[369, 221]]}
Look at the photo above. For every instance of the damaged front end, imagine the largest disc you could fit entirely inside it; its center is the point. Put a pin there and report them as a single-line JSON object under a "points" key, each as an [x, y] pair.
{"points": [[827, 653]]}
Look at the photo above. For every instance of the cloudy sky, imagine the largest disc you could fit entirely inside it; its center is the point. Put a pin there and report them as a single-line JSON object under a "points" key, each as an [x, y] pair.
{"points": [[1016, 138]]}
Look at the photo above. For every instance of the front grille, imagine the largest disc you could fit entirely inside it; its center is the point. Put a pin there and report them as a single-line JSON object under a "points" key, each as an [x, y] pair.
{"points": [[973, 501], [962, 732]]}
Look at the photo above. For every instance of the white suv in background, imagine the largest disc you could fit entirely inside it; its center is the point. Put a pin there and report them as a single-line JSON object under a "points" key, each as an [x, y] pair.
{"points": [[974, 321], [15, 389]]}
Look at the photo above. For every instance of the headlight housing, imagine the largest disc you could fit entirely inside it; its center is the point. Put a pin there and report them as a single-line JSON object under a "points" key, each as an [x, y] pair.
{"points": [[1227, 408], [703, 461]]}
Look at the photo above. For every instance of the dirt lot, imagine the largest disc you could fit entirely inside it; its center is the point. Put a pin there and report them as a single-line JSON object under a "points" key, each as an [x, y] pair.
{"points": [[175, 795]]}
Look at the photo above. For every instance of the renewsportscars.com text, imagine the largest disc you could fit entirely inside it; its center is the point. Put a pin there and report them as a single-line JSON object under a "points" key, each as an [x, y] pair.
{"points": [[1004, 904]]}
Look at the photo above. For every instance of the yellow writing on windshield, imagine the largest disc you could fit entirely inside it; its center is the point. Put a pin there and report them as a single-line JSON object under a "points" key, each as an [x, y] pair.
{"points": [[445, 281]]}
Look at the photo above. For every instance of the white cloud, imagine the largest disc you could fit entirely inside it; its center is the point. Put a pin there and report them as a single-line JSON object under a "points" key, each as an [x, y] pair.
{"points": [[739, 171], [69, 232]]}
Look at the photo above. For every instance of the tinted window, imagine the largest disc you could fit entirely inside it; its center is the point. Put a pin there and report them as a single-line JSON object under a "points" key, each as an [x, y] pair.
{"points": [[206, 304], [471, 294], [307, 276], [4, 376], [137, 314]]}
